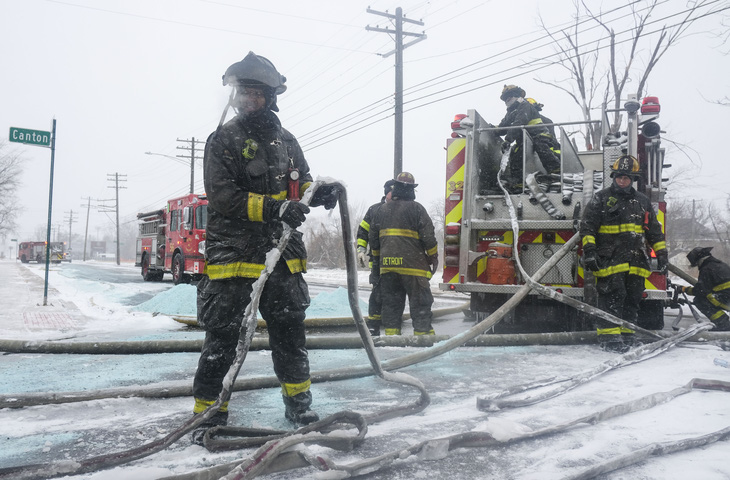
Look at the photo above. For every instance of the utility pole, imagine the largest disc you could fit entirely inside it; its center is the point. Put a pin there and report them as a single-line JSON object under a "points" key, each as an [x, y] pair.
{"points": [[398, 33], [86, 232], [115, 178], [191, 156], [71, 221]]}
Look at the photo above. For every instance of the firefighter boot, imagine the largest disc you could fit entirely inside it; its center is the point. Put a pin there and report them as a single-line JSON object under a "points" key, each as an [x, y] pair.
{"points": [[612, 343], [374, 327], [219, 419], [722, 324], [297, 409]]}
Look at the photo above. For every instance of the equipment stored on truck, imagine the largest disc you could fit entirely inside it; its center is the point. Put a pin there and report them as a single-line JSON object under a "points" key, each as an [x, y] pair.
{"points": [[479, 244], [172, 240]]}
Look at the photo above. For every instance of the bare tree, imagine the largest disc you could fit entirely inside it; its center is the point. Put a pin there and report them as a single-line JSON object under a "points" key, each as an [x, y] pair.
{"points": [[10, 170], [645, 45]]}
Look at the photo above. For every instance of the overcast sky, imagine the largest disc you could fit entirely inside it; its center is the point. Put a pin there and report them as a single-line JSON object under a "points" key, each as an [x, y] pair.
{"points": [[126, 77]]}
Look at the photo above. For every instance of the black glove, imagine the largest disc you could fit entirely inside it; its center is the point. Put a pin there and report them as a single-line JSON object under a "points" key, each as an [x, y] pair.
{"points": [[289, 212], [662, 261], [590, 261], [434, 261], [506, 146], [326, 195]]}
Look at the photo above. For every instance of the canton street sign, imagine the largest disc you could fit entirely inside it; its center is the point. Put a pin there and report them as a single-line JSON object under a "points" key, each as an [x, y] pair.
{"points": [[30, 137]]}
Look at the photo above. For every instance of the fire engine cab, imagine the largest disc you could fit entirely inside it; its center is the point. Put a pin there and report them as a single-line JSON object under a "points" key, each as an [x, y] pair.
{"points": [[172, 240], [479, 245]]}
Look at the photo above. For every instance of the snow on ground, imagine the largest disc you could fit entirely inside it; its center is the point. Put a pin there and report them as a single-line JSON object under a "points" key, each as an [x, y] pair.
{"points": [[454, 380]]}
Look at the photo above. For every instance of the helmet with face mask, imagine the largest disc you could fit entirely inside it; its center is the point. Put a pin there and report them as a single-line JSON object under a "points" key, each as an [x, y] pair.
{"points": [[257, 72]]}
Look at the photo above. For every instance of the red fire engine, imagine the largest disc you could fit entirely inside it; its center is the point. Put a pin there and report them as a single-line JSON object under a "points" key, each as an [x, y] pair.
{"points": [[172, 240], [479, 244], [36, 252]]}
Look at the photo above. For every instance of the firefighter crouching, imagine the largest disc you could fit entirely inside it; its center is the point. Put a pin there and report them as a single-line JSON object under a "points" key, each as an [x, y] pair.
{"points": [[712, 291], [402, 240], [254, 171], [363, 232], [522, 112], [617, 224]]}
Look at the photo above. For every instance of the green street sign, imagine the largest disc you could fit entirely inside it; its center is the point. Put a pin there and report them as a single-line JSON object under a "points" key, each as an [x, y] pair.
{"points": [[30, 137]]}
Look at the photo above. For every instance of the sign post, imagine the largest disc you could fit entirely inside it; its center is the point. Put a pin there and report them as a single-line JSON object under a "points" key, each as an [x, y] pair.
{"points": [[40, 138]]}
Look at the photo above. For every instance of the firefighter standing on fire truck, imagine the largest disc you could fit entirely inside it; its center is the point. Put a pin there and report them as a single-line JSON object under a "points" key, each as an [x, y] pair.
{"points": [[253, 169], [402, 240], [363, 232], [521, 112], [712, 291], [617, 224]]}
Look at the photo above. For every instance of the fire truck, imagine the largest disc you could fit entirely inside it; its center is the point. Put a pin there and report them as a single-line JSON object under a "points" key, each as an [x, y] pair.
{"points": [[479, 244], [36, 252], [172, 240]]}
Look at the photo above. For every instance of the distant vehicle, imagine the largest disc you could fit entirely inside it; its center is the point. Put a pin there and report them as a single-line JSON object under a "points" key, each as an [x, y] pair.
{"points": [[36, 252], [172, 240]]}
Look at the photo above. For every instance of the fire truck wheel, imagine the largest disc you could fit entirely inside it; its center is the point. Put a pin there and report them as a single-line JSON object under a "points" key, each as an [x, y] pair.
{"points": [[39, 259], [23, 259], [147, 274], [178, 270]]}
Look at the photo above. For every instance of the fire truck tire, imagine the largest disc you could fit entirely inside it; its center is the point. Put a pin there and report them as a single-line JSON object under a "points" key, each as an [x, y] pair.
{"points": [[39, 259], [23, 259], [178, 270], [147, 274]]}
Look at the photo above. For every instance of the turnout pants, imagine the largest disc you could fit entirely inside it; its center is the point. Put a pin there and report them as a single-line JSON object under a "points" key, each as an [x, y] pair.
{"points": [[619, 294], [394, 289], [221, 307]]}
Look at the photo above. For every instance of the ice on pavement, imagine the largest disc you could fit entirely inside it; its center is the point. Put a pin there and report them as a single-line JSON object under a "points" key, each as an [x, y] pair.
{"points": [[454, 380], [180, 300]]}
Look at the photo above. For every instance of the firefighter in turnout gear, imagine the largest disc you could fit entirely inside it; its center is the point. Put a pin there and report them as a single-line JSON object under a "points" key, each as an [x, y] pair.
{"points": [[365, 260], [712, 291], [254, 173], [402, 241], [520, 112], [617, 225]]}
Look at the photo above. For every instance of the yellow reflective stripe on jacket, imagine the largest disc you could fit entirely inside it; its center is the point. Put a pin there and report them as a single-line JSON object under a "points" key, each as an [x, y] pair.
{"points": [[297, 265], [722, 286], [237, 269], [535, 121], [413, 272], [303, 188], [623, 228], [375, 253], [659, 246], [279, 196], [255, 207], [398, 232], [292, 389], [365, 225], [713, 300], [589, 239], [361, 242], [432, 251], [621, 268], [202, 405]]}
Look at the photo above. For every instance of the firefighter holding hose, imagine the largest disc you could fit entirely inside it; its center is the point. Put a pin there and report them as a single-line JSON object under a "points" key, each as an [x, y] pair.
{"points": [[712, 291], [255, 172], [617, 224]]}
